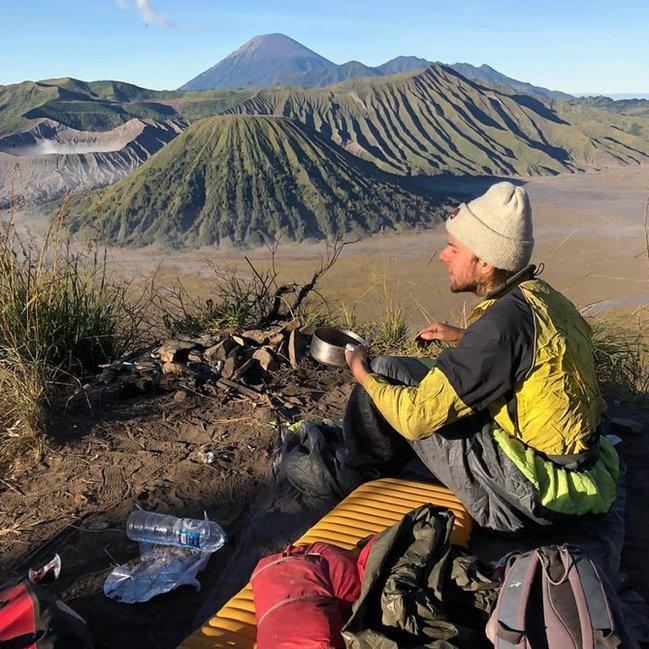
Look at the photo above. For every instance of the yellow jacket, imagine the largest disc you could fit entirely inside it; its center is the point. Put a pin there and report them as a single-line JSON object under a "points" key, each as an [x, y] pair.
{"points": [[527, 358]]}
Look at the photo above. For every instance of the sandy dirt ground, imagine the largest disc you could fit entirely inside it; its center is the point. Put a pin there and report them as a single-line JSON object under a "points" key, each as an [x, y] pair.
{"points": [[145, 452], [102, 463]]}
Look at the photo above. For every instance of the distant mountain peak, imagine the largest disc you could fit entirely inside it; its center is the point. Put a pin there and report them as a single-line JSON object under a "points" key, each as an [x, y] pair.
{"points": [[486, 74], [401, 64], [265, 60], [276, 59], [403, 58], [277, 45], [269, 38]]}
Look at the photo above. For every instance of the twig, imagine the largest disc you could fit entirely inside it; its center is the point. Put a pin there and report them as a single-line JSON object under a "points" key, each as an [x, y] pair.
{"points": [[272, 246], [114, 563], [242, 389], [428, 263], [10, 530], [16, 529], [646, 230], [583, 277], [230, 420], [422, 308], [119, 530], [242, 370], [333, 251], [20, 492], [563, 241]]}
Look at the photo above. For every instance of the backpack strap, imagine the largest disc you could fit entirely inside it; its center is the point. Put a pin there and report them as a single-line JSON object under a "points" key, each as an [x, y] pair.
{"points": [[590, 597], [513, 600], [565, 621], [598, 609]]}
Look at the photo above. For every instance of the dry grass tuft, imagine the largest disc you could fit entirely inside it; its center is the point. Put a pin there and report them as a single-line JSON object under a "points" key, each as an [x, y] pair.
{"points": [[26, 392], [622, 358], [388, 331], [60, 317]]}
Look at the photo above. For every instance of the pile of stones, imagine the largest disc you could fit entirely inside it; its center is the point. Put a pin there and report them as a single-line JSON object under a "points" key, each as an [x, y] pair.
{"points": [[242, 362]]}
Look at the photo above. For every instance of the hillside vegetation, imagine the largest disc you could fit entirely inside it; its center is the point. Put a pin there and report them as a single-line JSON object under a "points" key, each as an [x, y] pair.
{"points": [[239, 178], [437, 121], [192, 106], [96, 106], [626, 106], [296, 162], [103, 105]]}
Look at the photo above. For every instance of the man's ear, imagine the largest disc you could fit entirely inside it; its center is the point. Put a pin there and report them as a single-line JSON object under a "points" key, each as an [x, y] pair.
{"points": [[484, 268]]}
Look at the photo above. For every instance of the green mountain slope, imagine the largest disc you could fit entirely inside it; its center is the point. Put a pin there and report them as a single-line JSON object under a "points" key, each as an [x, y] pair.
{"points": [[104, 105], [94, 106], [239, 178], [195, 105], [437, 121], [19, 99]]}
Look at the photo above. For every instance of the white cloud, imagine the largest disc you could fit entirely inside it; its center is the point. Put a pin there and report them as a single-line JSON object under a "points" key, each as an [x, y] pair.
{"points": [[147, 13]]}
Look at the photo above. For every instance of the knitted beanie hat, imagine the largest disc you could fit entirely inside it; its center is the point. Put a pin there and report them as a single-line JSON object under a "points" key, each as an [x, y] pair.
{"points": [[496, 227]]}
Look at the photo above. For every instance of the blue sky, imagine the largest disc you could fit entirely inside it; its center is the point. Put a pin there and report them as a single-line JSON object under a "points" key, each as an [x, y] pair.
{"points": [[577, 46]]}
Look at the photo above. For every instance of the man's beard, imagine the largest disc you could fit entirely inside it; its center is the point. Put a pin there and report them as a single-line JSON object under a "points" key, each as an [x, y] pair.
{"points": [[467, 286]]}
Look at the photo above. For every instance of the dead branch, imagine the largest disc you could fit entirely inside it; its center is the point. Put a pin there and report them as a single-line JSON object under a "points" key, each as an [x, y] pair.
{"points": [[274, 313], [646, 230], [272, 245], [333, 251]]}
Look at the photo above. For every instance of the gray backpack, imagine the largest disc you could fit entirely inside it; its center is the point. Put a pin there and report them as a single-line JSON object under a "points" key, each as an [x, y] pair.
{"points": [[554, 597]]}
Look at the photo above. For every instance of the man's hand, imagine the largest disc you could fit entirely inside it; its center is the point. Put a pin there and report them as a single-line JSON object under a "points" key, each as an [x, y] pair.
{"points": [[440, 331], [358, 362]]}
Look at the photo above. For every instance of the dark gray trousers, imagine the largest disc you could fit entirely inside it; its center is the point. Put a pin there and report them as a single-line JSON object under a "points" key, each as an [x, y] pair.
{"points": [[466, 459]]}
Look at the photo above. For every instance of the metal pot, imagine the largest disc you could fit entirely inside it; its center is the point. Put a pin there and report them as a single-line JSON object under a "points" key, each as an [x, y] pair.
{"points": [[328, 345]]}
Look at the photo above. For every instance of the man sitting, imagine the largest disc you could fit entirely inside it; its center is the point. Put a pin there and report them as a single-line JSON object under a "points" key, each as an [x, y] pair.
{"points": [[508, 417]]}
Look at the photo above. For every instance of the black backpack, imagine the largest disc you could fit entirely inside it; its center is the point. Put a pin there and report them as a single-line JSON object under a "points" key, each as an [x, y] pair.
{"points": [[554, 597]]}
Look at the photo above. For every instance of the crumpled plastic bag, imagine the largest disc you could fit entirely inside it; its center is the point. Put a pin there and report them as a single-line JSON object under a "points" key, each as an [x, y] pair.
{"points": [[160, 569], [312, 458]]}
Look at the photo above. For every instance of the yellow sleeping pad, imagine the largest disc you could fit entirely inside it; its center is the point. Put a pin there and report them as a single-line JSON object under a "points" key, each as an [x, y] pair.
{"points": [[367, 510]]}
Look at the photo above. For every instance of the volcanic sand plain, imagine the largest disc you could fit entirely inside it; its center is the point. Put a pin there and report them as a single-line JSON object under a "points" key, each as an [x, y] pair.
{"points": [[588, 229]]}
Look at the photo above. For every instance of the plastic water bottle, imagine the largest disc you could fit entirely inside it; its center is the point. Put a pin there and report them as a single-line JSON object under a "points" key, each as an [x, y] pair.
{"points": [[161, 529]]}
